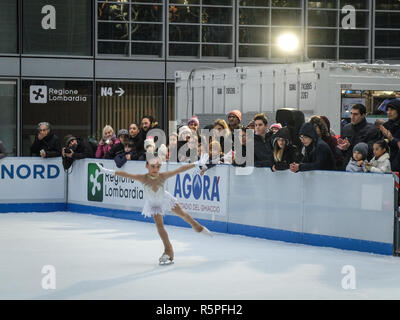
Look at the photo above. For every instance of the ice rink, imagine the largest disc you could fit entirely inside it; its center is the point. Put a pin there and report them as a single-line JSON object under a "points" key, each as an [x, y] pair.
{"points": [[95, 257]]}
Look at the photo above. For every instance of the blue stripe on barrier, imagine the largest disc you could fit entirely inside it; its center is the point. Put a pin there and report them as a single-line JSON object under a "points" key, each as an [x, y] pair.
{"points": [[32, 207], [217, 226]]}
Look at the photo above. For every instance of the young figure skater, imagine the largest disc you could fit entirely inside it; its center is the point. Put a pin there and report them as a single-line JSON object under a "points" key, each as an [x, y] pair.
{"points": [[159, 201]]}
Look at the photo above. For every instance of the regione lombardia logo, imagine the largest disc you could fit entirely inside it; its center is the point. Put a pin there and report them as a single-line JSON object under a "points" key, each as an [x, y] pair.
{"points": [[95, 183], [38, 94]]}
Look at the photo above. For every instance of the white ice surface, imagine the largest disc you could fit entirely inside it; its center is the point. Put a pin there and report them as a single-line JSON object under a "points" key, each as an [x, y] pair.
{"points": [[105, 258]]}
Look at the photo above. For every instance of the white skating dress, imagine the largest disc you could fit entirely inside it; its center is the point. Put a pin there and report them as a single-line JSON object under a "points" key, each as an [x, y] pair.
{"points": [[157, 202]]}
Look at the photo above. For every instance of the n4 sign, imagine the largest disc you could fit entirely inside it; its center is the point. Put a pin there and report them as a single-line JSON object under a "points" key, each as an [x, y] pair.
{"points": [[108, 92]]}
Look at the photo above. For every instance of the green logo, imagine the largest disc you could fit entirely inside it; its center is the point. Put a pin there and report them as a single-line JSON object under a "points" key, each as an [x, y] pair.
{"points": [[95, 183]]}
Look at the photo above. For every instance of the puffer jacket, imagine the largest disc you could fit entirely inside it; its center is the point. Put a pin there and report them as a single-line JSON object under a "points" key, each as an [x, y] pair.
{"points": [[103, 148], [318, 155], [381, 165], [50, 144]]}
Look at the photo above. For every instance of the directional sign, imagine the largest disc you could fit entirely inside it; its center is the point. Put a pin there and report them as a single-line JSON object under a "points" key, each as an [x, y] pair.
{"points": [[108, 91]]}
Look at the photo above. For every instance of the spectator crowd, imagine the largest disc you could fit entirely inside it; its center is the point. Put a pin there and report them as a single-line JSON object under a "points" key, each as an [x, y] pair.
{"points": [[361, 146]]}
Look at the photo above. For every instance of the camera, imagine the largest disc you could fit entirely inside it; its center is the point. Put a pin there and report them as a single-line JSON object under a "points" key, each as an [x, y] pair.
{"points": [[67, 150]]}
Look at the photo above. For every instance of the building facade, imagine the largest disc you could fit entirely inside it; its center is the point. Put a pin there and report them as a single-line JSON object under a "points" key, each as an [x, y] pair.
{"points": [[82, 64]]}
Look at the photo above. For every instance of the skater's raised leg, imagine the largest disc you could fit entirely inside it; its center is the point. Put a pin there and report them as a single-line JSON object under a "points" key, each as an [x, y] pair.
{"points": [[188, 218], [158, 219]]}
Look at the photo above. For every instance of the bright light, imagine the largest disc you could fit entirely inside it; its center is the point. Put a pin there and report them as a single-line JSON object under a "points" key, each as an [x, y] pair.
{"points": [[288, 42]]}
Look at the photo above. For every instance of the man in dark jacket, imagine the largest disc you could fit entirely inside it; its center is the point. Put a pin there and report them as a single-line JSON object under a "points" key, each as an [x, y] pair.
{"points": [[391, 130], [262, 142], [75, 149], [46, 144], [318, 154], [359, 130]]}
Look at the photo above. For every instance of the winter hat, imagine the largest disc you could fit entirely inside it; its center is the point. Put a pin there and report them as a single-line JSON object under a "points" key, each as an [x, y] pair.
{"points": [[362, 148], [195, 120], [163, 150], [275, 125], [123, 132], [149, 142], [183, 131], [69, 139], [394, 104], [236, 113]]}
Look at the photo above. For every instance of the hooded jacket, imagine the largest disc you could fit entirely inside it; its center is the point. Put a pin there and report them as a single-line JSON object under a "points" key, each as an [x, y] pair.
{"points": [[318, 155], [50, 144], [290, 153], [360, 132], [103, 148], [394, 127]]}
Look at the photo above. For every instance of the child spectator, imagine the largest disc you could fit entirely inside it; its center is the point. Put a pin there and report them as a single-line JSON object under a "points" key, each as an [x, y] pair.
{"points": [[128, 154], [173, 147], [357, 162], [380, 163], [275, 127]]}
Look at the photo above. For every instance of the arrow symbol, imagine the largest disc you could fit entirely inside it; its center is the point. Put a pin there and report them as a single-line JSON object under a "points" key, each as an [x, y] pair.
{"points": [[120, 92]]}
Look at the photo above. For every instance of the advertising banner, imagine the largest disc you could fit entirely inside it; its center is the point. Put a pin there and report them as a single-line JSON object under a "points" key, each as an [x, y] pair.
{"points": [[31, 180]]}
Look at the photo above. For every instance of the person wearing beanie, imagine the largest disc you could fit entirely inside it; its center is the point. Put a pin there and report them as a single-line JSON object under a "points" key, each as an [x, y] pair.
{"points": [[391, 131], [234, 123], [194, 123], [275, 127], [123, 137], [358, 160]]}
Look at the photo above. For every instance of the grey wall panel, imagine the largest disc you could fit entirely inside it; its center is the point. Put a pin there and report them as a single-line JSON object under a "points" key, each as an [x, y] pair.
{"points": [[266, 199], [9, 66], [349, 205], [60, 68], [109, 69], [187, 66]]}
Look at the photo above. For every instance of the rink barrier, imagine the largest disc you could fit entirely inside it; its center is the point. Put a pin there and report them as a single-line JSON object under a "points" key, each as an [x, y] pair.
{"points": [[352, 211], [32, 184]]}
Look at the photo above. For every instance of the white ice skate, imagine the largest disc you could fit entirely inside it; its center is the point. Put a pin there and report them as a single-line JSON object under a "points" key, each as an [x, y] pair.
{"points": [[165, 260], [206, 232]]}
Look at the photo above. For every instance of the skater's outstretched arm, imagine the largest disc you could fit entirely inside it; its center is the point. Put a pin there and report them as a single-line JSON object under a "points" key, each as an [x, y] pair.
{"points": [[169, 174], [138, 177]]}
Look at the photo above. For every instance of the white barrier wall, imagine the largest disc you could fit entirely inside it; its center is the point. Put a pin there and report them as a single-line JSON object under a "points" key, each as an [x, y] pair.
{"points": [[32, 183], [344, 210]]}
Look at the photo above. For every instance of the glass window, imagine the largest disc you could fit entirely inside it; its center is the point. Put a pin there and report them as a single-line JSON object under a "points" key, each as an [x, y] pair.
{"points": [[286, 17], [137, 100], [184, 50], [187, 33], [216, 34], [217, 50], [354, 37], [322, 53], [387, 54], [286, 3], [387, 38], [65, 27], [358, 4], [254, 3], [322, 36], [326, 4], [66, 105], [253, 51], [8, 119], [171, 101], [257, 16], [213, 15], [179, 14], [8, 26], [387, 5], [323, 18], [138, 23], [353, 53], [253, 35], [387, 20]]}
